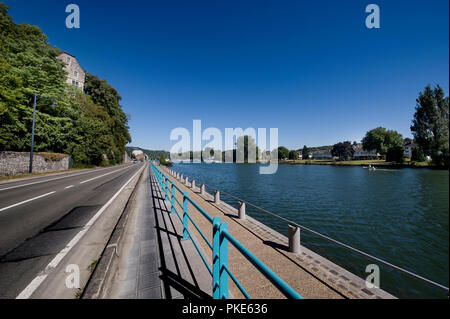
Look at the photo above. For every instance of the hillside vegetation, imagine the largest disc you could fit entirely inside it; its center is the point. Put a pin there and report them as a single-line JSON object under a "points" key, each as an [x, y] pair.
{"points": [[89, 126]]}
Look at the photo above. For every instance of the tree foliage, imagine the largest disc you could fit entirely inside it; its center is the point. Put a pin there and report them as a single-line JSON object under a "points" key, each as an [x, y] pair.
{"points": [[386, 142], [283, 153], [431, 124], [246, 149], [293, 155], [305, 152], [91, 128], [343, 150]]}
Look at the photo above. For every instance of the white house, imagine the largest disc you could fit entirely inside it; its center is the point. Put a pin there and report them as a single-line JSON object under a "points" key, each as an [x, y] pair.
{"points": [[362, 154], [409, 148]]}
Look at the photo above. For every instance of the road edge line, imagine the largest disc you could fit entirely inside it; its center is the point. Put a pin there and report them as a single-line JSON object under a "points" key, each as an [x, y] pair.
{"points": [[39, 279]]}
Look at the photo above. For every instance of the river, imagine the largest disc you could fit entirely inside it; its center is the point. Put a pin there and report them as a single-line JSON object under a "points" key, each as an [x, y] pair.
{"points": [[399, 215]]}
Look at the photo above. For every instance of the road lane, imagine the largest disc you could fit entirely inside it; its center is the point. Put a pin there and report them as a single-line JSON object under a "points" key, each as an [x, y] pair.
{"points": [[31, 235], [20, 222], [12, 184], [18, 193]]}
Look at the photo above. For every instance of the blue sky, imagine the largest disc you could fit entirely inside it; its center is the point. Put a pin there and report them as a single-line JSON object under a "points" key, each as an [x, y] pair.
{"points": [[310, 68]]}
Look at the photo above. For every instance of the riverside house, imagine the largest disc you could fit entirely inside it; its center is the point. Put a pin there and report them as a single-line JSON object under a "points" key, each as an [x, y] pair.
{"points": [[362, 154], [409, 148], [322, 154]]}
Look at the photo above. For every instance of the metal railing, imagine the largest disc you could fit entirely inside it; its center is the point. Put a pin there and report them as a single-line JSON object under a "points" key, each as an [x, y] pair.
{"points": [[295, 242], [221, 239]]}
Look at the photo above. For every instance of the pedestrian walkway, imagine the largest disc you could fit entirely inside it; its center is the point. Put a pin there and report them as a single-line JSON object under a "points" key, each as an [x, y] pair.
{"points": [[152, 261]]}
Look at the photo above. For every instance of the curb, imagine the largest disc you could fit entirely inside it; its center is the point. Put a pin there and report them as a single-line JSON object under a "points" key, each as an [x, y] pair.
{"points": [[95, 287]]}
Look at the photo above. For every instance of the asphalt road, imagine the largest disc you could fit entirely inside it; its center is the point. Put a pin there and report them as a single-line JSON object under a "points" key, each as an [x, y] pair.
{"points": [[39, 217]]}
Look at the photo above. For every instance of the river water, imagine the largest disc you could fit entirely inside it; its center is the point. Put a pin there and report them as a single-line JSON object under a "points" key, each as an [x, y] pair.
{"points": [[399, 215]]}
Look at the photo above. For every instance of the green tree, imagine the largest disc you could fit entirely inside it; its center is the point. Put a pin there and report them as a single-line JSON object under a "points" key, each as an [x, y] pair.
{"points": [[305, 152], [246, 149], [283, 153], [417, 155], [386, 142], [431, 124], [162, 160], [293, 155], [92, 128], [343, 150]]}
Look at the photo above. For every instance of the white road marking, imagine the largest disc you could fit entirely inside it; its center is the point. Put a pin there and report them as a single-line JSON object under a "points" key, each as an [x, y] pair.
{"points": [[103, 175], [69, 186], [26, 201], [37, 281], [53, 179]]}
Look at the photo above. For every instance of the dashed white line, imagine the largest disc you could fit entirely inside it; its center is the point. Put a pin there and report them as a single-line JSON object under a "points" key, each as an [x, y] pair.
{"points": [[70, 186], [53, 179], [26, 201], [104, 175], [36, 282]]}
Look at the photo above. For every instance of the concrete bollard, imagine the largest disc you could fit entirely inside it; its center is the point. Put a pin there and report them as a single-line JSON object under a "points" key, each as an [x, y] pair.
{"points": [[294, 239], [202, 189], [217, 197], [193, 184], [241, 210]]}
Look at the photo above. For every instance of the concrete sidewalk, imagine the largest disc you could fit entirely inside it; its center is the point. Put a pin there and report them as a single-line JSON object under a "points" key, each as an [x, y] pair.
{"points": [[151, 261]]}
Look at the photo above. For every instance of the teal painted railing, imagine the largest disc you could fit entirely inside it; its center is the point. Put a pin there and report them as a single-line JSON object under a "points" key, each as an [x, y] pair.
{"points": [[221, 239]]}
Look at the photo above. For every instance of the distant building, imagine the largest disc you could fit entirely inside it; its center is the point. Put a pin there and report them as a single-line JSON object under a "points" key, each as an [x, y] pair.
{"points": [[409, 148], [362, 154], [321, 154], [75, 73], [136, 153], [141, 157]]}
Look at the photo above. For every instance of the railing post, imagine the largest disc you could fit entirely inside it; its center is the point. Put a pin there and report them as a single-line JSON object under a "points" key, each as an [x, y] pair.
{"points": [[167, 188], [181, 178], [294, 239], [185, 216], [186, 181], [172, 202], [223, 262], [242, 210], [216, 197], [215, 258], [202, 189], [193, 184]]}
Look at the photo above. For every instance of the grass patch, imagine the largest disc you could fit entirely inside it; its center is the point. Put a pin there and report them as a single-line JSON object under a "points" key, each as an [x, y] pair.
{"points": [[52, 156], [79, 293], [92, 266]]}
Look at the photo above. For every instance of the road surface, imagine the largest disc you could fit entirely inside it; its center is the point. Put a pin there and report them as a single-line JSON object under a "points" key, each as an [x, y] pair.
{"points": [[40, 216]]}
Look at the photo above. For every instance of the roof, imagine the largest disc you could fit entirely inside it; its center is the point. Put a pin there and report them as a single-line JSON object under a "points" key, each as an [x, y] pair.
{"points": [[410, 144], [64, 52]]}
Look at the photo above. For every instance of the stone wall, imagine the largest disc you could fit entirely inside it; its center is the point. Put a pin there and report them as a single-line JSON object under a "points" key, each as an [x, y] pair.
{"points": [[16, 163]]}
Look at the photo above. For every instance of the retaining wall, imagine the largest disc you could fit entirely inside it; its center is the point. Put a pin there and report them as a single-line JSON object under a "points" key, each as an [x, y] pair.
{"points": [[16, 163]]}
